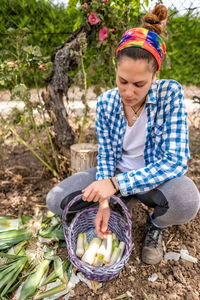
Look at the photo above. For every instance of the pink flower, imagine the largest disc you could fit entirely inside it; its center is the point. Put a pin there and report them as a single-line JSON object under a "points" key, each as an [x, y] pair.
{"points": [[105, 1], [164, 23], [93, 19], [103, 34], [112, 29], [42, 67], [11, 64], [85, 5]]}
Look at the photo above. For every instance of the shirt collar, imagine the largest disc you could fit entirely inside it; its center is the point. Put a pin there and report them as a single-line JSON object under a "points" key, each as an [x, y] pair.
{"points": [[152, 93], [151, 97]]}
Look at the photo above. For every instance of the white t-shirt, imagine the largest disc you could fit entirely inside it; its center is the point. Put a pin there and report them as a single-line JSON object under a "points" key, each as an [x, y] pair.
{"points": [[133, 145]]}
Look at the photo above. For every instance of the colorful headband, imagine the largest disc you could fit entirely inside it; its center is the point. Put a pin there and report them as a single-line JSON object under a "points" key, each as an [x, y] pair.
{"points": [[146, 39]]}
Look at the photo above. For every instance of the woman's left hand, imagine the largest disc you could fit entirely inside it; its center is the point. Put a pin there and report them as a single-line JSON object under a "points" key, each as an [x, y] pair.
{"points": [[99, 190]]}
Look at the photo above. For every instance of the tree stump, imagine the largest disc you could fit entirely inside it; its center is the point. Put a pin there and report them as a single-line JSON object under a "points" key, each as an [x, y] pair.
{"points": [[83, 156]]}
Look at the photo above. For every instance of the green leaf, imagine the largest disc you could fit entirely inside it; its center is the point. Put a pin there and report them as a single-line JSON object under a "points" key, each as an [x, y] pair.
{"points": [[58, 289], [32, 282]]}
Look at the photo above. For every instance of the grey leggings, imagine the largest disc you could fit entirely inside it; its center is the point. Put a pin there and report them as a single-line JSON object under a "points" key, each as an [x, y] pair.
{"points": [[175, 202]]}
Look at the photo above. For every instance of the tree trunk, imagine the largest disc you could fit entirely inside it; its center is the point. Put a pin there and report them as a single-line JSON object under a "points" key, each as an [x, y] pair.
{"points": [[64, 61], [83, 157]]}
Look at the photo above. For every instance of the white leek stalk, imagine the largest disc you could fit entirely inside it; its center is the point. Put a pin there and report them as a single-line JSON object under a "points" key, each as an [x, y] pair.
{"points": [[98, 260], [114, 237], [8, 224], [122, 247], [80, 245], [114, 244], [90, 253], [86, 245], [102, 248], [85, 242], [108, 252], [115, 255]]}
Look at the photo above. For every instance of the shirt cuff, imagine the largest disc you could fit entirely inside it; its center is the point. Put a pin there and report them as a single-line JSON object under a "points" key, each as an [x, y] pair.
{"points": [[124, 184]]}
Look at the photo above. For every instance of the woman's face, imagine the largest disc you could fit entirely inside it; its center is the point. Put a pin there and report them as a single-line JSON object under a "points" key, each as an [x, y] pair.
{"points": [[134, 79]]}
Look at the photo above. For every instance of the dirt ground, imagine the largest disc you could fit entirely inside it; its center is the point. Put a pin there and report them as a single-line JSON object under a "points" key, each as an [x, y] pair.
{"points": [[24, 184]]}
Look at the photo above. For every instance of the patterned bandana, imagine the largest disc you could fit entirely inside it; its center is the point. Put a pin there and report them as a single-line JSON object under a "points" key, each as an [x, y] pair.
{"points": [[146, 39]]}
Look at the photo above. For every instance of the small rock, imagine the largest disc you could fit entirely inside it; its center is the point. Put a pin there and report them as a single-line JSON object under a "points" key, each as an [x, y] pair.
{"points": [[191, 296], [160, 276], [144, 273], [106, 296], [170, 284], [153, 277], [172, 256], [131, 278], [138, 260], [172, 296], [170, 277], [188, 257], [112, 289]]}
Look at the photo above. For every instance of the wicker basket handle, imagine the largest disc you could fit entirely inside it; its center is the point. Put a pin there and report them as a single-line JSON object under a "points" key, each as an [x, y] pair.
{"points": [[77, 198]]}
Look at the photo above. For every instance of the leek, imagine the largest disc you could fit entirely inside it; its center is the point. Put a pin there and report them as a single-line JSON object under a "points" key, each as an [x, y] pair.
{"points": [[80, 245], [13, 237], [55, 232], [86, 245], [102, 248], [99, 260], [114, 244], [108, 252], [32, 282], [115, 255], [10, 278], [85, 242], [114, 237], [8, 224], [122, 247], [90, 253]]}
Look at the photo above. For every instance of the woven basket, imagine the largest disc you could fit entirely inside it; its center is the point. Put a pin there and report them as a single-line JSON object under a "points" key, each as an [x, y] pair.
{"points": [[84, 222]]}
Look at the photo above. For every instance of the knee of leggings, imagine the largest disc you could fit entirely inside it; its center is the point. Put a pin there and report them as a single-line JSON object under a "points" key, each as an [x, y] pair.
{"points": [[188, 210], [51, 200], [194, 206]]}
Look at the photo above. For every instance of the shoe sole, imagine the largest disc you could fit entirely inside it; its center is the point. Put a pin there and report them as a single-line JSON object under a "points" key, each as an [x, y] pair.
{"points": [[151, 262]]}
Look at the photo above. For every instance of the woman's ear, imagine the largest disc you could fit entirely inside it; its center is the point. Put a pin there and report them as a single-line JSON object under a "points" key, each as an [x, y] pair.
{"points": [[154, 77]]}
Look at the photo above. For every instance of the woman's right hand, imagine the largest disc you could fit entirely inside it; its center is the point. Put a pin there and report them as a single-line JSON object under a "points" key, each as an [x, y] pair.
{"points": [[102, 218]]}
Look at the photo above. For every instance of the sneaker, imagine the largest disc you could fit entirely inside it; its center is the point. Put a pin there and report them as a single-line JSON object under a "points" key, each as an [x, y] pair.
{"points": [[152, 252]]}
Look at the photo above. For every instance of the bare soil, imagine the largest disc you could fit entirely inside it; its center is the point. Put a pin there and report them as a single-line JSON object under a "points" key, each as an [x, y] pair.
{"points": [[24, 183]]}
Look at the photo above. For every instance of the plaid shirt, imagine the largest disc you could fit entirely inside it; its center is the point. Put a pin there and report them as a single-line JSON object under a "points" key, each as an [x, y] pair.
{"points": [[166, 150]]}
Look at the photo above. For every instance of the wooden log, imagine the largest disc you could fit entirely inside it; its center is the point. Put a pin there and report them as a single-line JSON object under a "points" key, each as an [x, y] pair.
{"points": [[83, 156]]}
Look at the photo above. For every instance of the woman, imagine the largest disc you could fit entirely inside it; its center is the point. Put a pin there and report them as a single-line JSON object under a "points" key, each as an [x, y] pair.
{"points": [[142, 142]]}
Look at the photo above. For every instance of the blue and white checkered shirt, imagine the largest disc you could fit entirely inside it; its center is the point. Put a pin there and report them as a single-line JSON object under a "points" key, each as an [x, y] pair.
{"points": [[166, 150]]}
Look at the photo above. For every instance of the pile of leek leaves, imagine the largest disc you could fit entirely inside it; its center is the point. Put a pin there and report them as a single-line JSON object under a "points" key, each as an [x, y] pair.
{"points": [[29, 265]]}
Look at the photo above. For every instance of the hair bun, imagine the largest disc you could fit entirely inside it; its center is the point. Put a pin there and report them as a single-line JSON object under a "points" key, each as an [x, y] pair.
{"points": [[153, 19], [160, 11]]}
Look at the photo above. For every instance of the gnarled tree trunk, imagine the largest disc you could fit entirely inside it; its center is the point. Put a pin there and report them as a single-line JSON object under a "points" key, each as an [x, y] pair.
{"points": [[58, 85]]}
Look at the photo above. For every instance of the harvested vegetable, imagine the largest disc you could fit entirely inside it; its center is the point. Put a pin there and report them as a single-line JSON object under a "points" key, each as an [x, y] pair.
{"points": [[24, 259], [32, 283], [90, 253], [8, 224], [108, 252], [115, 256], [122, 247], [114, 244], [80, 245], [98, 260], [100, 251], [13, 237]]}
